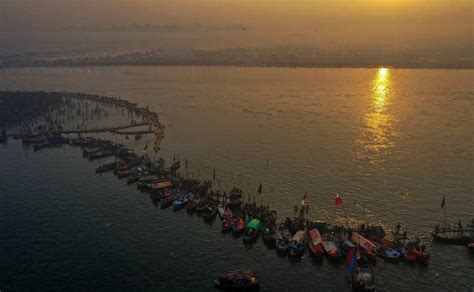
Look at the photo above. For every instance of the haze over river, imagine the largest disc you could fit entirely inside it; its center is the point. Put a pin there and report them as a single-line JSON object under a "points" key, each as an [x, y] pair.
{"points": [[390, 142]]}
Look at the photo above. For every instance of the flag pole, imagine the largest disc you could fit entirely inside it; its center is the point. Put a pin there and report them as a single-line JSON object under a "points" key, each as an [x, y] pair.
{"points": [[445, 218], [345, 214]]}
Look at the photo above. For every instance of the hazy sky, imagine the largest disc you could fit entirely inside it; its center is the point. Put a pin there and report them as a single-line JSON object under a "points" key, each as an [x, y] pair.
{"points": [[333, 24]]}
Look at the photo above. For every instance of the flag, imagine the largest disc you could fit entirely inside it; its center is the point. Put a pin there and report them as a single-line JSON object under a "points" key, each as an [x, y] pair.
{"points": [[350, 260], [338, 200], [259, 189], [443, 203], [305, 196]]}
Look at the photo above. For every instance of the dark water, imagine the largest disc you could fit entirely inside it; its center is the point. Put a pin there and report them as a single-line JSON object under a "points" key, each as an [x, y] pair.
{"points": [[392, 143]]}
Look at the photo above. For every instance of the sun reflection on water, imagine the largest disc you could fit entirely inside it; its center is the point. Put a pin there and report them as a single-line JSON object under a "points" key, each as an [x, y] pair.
{"points": [[376, 136]]}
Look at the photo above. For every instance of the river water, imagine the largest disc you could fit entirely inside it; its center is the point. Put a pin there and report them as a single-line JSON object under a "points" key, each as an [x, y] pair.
{"points": [[391, 142]]}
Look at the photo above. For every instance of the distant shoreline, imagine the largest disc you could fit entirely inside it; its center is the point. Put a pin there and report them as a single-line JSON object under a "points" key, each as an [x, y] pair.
{"points": [[199, 64]]}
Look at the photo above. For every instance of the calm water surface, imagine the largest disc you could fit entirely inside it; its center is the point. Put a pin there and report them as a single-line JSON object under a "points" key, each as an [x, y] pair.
{"points": [[391, 142]]}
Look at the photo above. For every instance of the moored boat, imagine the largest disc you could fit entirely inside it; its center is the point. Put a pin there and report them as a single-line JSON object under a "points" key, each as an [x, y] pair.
{"points": [[363, 278], [223, 211], [283, 239], [238, 226], [366, 244], [237, 280], [269, 236], [388, 253], [167, 200], [210, 212], [414, 252], [252, 231], [331, 250], [315, 243], [181, 201], [298, 243]]}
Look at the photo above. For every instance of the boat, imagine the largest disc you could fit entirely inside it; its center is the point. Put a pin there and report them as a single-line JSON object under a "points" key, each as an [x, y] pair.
{"points": [[414, 252], [192, 205], [210, 212], [388, 253], [237, 280], [269, 236], [298, 243], [226, 224], [238, 226], [201, 207], [366, 244], [181, 201], [167, 200], [315, 243], [123, 173], [224, 211], [252, 231], [452, 237], [363, 278], [331, 250], [283, 239]]}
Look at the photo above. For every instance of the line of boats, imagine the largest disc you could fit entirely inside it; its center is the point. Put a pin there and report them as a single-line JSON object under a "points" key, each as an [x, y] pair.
{"points": [[291, 237]]}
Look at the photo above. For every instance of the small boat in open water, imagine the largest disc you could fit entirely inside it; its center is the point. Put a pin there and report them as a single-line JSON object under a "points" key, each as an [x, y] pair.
{"points": [[237, 281]]}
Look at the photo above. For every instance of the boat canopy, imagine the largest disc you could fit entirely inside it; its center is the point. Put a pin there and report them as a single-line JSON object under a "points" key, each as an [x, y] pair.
{"points": [[255, 224], [299, 236]]}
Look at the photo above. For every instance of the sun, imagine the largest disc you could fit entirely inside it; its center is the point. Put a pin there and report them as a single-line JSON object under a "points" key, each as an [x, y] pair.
{"points": [[383, 71]]}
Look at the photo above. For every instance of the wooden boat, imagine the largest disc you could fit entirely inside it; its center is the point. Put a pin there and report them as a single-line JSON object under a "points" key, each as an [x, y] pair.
{"points": [[298, 243], [252, 231], [237, 281], [226, 224], [269, 237], [283, 239], [210, 212], [331, 249], [238, 226], [160, 184], [192, 205], [388, 253], [363, 278], [413, 252], [123, 173], [452, 237], [366, 244], [201, 207], [181, 201], [224, 211], [167, 200], [315, 243]]}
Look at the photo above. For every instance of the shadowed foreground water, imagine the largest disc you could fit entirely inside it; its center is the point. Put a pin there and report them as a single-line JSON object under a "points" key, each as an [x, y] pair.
{"points": [[392, 143]]}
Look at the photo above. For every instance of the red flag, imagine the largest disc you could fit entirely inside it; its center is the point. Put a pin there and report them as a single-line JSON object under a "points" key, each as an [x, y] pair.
{"points": [[338, 200]]}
